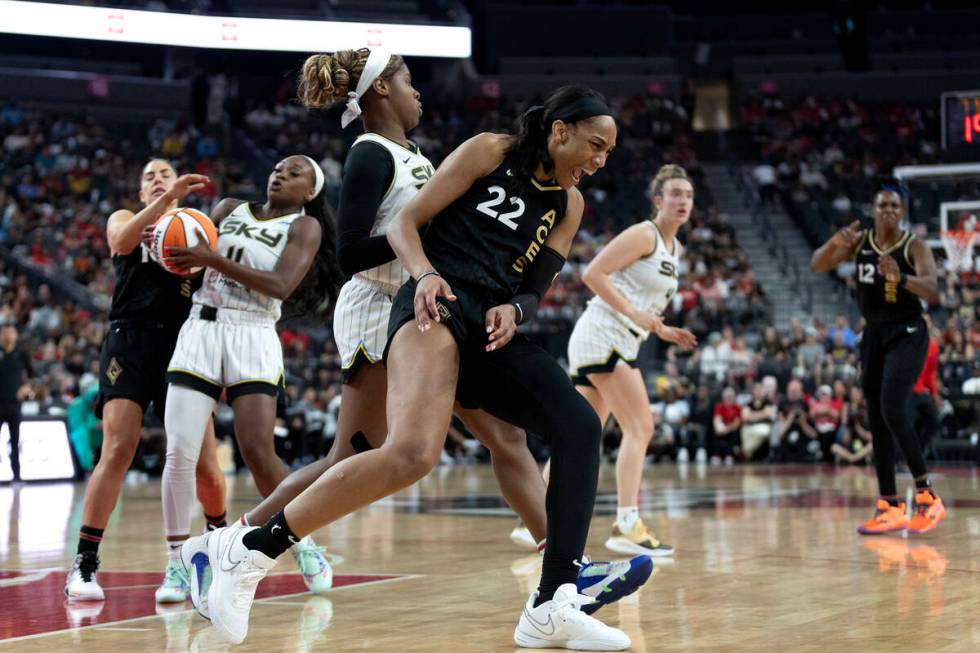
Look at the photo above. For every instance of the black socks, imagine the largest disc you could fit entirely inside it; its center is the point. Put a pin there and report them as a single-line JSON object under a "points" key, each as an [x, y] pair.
{"points": [[273, 538], [89, 539], [216, 521]]}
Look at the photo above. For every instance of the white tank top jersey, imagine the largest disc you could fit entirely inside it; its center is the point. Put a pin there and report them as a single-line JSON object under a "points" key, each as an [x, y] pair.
{"points": [[412, 170], [649, 282], [250, 241]]}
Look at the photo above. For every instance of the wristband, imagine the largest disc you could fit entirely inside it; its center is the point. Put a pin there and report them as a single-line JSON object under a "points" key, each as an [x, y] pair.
{"points": [[902, 278], [426, 274], [526, 305]]}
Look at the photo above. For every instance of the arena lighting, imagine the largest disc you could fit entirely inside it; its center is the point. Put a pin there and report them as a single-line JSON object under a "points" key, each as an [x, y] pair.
{"points": [[229, 32]]}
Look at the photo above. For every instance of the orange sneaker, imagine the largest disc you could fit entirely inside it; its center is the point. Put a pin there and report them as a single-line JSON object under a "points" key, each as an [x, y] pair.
{"points": [[887, 519], [929, 511]]}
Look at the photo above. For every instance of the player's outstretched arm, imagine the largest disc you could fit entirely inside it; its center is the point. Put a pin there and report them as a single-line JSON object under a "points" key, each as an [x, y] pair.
{"points": [[124, 230]]}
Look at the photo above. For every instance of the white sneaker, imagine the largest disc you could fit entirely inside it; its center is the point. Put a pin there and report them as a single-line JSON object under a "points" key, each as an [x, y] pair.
{"points": [[317, 574], [559, 623], [683, 455], [81, 584], [174, 587], [701, 455], [235, 574], [194, 556], [522, 537]]}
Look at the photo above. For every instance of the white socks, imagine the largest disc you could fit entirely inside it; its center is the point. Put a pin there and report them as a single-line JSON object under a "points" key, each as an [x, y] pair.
{"points": [[627, 517], [185, 420]]}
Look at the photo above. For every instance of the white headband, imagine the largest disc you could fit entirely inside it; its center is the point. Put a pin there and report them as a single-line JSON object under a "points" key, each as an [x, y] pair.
{"points": [[317, 175], [377, 61]]}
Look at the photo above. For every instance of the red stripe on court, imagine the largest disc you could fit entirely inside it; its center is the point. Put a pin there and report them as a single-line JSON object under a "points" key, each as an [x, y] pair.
{"points": [[38, 604]]}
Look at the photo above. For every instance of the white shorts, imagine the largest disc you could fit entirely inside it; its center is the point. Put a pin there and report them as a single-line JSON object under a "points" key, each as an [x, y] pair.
{"points": [[360, 324], [237, 350], [598, 343]]}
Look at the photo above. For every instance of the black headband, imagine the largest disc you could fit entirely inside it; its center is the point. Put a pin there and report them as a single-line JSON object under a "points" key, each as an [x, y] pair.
{"points": [[582, 109]]}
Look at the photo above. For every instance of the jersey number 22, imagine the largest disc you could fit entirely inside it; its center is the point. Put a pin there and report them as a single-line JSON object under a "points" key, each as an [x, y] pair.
{"points": [[499, 195]]}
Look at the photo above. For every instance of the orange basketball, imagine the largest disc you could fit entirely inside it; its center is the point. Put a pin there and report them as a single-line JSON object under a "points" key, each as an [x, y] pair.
{"points": [[181, 228]]}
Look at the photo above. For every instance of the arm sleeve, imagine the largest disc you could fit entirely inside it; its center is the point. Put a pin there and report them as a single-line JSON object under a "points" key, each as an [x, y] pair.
{"points": [[536, 282], [368, 175]]}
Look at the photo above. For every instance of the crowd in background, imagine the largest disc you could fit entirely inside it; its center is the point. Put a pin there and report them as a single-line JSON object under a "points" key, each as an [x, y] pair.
{"points": [[748, 392]]}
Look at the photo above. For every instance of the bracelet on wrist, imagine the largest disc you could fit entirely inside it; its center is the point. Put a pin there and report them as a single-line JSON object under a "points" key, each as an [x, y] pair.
{"points": [[419, 278]]}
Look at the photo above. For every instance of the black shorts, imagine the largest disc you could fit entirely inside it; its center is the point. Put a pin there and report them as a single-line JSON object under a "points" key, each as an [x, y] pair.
{"points": [[479, 370], [133, 364], [465, 318], [901, 346]]}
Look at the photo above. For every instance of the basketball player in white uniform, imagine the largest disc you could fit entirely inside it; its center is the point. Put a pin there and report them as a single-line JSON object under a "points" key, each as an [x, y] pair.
{"points": [[229, 342], [633, 278]]}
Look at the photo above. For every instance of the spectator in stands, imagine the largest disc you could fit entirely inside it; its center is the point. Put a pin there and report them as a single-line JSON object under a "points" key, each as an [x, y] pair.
{"points": [[825, 416], [758, 418], [715, 357], [972, 385], [673, 413], [794, 428], [855, 445], [764, 176], [842, 328], [726, 424], [811, 351]]}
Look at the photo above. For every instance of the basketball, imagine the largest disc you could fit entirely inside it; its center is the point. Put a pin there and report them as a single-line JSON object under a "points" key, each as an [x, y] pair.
{"points": [[181, 228]]}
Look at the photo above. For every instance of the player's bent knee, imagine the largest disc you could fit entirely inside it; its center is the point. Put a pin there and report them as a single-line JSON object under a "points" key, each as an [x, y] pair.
{"points": [[411, 463], [503, 439]]}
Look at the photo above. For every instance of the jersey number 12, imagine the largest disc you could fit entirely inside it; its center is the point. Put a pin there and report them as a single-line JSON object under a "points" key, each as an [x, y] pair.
{"points": [[499, 195], [866, 273]]}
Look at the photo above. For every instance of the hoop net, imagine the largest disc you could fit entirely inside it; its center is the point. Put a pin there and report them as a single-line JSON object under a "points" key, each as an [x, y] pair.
{"points": [[958, 244]]}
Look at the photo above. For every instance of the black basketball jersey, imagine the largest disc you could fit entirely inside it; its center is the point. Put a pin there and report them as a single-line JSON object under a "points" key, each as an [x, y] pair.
{"points": [[487, 238], [145, 291], [879, 300]]}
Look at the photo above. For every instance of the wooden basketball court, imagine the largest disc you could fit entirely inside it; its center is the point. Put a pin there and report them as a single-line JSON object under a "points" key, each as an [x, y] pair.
{"points": [[767, 560]]}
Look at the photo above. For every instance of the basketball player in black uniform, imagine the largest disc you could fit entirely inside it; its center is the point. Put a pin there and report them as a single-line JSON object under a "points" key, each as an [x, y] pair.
{"points": [[148, 307], [503, 212], [894, 270]]}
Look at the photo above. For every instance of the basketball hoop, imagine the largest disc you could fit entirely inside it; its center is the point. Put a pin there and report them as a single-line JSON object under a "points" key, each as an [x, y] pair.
{"points": [[958, 244]]}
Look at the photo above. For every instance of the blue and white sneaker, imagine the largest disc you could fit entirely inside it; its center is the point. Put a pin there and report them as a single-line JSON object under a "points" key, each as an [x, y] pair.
{"points": [[607, 582], [194, 555], [313, 565], [174, 587]]}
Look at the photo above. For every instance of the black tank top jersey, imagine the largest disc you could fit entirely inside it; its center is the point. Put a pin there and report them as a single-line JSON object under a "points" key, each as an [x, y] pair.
{"points": [[487, 238], [880, 301], [145, 291]]}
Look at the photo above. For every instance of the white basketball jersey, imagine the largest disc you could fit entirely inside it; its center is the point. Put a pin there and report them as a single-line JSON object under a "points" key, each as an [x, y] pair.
{"points": [[412, 170], [648, 283], [256, 243]]}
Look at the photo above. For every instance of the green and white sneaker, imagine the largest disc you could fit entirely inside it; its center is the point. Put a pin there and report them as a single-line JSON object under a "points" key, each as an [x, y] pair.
{"points": [[175, 583], [316, 571]]}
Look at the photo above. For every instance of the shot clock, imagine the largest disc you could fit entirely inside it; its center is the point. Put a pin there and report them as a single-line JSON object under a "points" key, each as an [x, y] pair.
{"points": [[961, 122]]}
